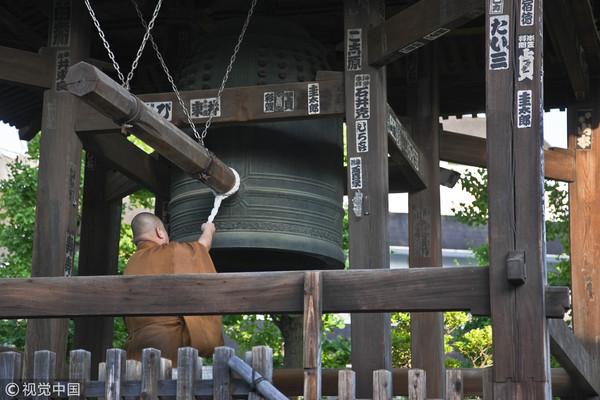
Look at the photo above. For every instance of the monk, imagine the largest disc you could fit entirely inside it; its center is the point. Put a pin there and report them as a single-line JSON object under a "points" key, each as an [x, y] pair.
{"points": [[155, 254]]}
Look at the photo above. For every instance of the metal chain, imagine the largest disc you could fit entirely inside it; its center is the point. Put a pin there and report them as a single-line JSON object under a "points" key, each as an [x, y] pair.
{"points": [[104, 41], [166, 69], [201, 137], [124, 82]]}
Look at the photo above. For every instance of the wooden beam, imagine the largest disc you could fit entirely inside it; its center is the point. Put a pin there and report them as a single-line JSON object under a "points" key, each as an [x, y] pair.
{"points": [[584, 221], [419, 289], [514, 107], [58, 182], [98, 255], [572, 356], [147, 170], [289, 382], [559, 164], [101, 92], [424, 216], [566, 44], [368, 183], [418, 25], [239, 105], [25, 67], [587, 31], [404, 151], [19, 28]]}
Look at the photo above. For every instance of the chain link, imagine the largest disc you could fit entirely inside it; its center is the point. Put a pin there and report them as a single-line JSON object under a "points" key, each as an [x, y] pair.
{"points": [[124, 82], [166, 69], [201, 137]]}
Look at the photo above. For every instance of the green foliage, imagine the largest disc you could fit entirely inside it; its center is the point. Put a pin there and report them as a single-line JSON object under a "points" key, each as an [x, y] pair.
{"points": [[17, 213], [476, 346], [400, 340], [254, 330], [336, 350]]}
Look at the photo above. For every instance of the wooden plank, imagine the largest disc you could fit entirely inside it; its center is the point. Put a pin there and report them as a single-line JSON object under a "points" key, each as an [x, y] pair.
{"points": [[456, 289], [313, 311], [187, 359], [262, 362], [514, 107], [150, 374], [417, 384], [559, 164], [574, 358], [148, 170], [222, 373], [454, 384], [584, 199], [289, 381], [25, 67], [368, 183], [80, 371], [382, 384], [346, 385], [58, 188], [19, 28], [107, 96], [115, 372], [424, 216], [44, 373], [417, 26], [567, 45]]}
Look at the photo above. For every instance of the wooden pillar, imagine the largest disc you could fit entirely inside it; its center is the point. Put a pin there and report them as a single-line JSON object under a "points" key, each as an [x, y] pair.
{"points": [[98, 254], [59, 175], [424, 219], [515, 162], [366, 102], [584, 200]]}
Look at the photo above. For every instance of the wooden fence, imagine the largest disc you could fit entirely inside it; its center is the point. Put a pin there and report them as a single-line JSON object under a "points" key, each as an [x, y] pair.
{"points": [[154, 378]]}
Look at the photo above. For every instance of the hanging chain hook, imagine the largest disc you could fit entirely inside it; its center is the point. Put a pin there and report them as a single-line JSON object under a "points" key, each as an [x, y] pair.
{"points": [[201, 137], [124, 82]]}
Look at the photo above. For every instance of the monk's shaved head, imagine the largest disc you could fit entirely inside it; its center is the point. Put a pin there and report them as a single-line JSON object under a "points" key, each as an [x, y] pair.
{"points": [[143, 226]]}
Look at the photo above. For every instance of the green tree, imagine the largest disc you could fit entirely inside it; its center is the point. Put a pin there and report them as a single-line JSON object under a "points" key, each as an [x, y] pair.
{"points": [[17, 216]]}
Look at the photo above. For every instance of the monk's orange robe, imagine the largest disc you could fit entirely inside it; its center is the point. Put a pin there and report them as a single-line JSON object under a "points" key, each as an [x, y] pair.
{"points": [[169, 333]]}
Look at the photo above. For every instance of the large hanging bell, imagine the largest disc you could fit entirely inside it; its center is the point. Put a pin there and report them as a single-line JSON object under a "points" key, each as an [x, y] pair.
{"points": [[288, 212]]}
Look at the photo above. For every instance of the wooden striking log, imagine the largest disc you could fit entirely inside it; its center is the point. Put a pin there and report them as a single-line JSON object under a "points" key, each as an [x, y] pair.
{"points": [[109, 98]]}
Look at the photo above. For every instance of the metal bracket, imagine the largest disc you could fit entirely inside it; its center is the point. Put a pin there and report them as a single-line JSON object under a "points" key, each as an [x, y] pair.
{"points": [[516, 271]]}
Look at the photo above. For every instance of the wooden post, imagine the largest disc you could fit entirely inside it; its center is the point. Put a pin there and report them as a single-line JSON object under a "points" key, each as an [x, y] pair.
{"points": [[256, 381], [262, 362], [150, 374], [515, 198], [187, 363], [115, 371], [222, 373], [382, 384], [79, 371], [417, 384], [346, 385], [313, 310], [44, 373], [111, 99], [98, 254], [58, 181], [454, 384], [366, 111], [584, 227], [425, 220]]}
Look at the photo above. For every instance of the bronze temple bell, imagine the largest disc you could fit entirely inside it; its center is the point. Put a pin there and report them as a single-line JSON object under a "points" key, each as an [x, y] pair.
{"points": [[288, 211]]}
